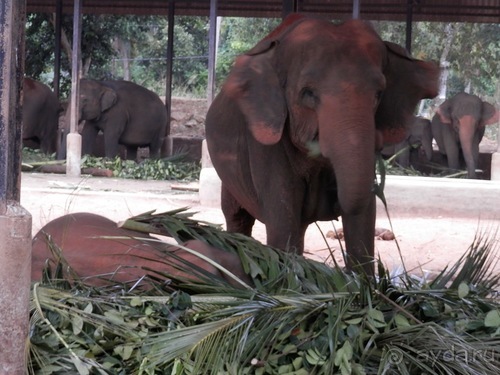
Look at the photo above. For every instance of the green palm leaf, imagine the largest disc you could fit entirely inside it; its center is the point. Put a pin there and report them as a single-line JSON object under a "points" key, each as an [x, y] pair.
{"points": [[298, 317]]}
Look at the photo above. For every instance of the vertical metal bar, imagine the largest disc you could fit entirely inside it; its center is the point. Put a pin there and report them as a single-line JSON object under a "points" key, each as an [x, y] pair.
{"points": [[170, 58], [12, 15], [212, 51], [75, 64], [73, 139], [289, 6], [409, 24], [57, 48], [356, 9]]}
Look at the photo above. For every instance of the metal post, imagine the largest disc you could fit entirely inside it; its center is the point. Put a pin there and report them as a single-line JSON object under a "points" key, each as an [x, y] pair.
{"points": [[289, 6], [212, 51], [170, 58], [57, 48], [15, 222], [355, 9], [166, 149], [74, 139], [409, 22]]}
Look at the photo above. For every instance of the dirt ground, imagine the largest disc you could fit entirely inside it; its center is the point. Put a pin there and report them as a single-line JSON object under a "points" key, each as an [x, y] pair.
{"points": [[425, 243]]}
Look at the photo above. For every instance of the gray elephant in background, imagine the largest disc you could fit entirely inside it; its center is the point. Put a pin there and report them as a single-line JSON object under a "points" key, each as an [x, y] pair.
{"points": [[416, 147], [41, 110], [127, 114], [458, 127]]}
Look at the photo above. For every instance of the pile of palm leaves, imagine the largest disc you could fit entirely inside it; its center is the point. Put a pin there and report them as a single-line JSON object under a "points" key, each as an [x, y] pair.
{"points": [[171, 168], [298, 317]]}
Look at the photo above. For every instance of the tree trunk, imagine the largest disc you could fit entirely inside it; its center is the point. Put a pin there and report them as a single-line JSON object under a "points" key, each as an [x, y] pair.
{"points": [[66, 45], [123, 47], [450, 32]]}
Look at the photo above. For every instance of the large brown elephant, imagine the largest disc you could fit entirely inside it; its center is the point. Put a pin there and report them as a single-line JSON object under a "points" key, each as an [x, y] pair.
{"points": [[458, 127], [101, 253], [294, 130], [41, 110], [127, 114]]}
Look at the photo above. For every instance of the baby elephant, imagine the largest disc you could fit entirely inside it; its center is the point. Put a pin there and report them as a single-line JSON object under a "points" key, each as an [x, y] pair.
{"points": [[100, 253]]}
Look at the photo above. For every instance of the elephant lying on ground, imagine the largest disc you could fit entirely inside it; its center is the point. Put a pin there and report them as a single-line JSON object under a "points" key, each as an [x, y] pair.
{"points": [[294, 130], [126, 257], [126, 113], [41, 110], [458, 127]]}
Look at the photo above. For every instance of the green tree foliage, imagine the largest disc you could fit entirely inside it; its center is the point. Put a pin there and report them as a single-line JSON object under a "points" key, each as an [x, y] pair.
{"points": [[238, 35], [135, 47], [96, 49], [39, 45], [473, 56]]}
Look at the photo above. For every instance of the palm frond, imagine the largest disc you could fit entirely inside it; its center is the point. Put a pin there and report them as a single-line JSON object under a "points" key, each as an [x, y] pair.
{"points": [[299, 316]]}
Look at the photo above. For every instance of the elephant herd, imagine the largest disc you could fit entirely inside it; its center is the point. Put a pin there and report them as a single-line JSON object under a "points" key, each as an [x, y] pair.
{"points": [[457, 126], [128, 115], [294, 131]]}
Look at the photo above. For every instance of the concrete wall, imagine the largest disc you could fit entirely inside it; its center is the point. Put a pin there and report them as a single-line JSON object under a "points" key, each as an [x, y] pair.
{"points": [[428, 196]]}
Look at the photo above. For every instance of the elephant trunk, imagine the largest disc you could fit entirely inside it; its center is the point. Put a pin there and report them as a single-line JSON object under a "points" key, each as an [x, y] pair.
{"points": [[349, 144], [470, 150], [427, 141]]}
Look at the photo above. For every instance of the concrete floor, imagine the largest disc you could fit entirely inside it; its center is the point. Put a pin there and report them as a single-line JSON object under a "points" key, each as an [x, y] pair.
{"points": [[434, 220]]}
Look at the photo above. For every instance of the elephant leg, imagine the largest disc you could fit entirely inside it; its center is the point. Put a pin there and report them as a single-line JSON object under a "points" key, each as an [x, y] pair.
{"points": [[359, 232], [402, 151], [452, 147], [155, 147], [111, 145], [238, 220], [294, 242], [89, 138], [473, 161]]}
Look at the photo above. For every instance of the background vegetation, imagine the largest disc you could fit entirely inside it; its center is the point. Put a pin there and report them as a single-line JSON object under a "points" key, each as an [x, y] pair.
{"points": [[134, 48]]}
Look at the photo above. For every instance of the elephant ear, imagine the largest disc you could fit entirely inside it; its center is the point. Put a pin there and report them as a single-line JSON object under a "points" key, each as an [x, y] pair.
{"points": [[254, 84], [490, 115], [108, 98], [444, 112], [408, 81]]}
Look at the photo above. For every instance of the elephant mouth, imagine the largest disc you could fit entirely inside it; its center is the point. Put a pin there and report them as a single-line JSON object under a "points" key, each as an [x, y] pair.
{"points": [[312, 147]]}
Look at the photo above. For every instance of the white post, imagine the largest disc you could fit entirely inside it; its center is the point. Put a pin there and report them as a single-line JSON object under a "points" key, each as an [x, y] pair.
{"points": [[495, 157], [209, 182]]}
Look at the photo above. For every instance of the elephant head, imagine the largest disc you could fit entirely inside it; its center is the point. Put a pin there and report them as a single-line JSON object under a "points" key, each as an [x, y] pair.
{"points": [[310, 82], [460, 125], [421, 135], [95, 99]]}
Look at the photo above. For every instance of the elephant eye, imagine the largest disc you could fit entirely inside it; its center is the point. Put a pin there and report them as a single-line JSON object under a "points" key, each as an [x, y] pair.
{"points": [[308, 98]]}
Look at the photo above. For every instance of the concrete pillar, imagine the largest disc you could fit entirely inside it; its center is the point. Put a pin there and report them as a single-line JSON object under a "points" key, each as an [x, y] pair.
{"points": [[73, 154], [15, 268], [495, 166], [210, 183], [15, 222]]}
